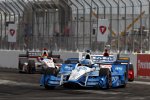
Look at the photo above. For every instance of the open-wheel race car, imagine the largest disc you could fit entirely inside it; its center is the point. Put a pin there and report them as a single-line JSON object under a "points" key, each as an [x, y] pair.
{"points": [[29, 63], [92, 71]]}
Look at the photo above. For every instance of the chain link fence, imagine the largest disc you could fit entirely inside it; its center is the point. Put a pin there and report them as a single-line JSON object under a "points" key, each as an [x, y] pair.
{"points": [[73, 24]]}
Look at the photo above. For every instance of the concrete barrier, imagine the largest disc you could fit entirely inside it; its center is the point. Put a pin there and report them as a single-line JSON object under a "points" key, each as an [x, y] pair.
{"points": [[9, 58], [64, 54]]}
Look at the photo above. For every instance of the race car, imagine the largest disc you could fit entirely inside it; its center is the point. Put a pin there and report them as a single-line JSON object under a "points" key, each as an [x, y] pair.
{"points": [[28, 63], [92, 71], [50, 79]]}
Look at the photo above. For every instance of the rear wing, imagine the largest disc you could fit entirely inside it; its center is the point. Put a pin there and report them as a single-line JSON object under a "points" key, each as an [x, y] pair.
{"points": [[103, 59], [35, 54]]}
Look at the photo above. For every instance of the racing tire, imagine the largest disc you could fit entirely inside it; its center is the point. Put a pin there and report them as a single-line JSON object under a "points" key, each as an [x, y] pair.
{"points": [[48, 87], [31, 67], [20, 66], [106, 72], [125, 78]]}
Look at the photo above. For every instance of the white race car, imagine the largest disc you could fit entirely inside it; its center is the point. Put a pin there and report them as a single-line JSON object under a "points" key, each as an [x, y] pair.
{"points": [[29, 63]]}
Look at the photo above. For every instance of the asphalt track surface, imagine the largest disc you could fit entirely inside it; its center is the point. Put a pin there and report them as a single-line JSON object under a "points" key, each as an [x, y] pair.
{"points": [[16, 86]]}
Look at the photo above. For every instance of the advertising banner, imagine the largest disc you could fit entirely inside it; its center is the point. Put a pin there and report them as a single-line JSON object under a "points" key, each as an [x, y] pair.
{"points": [[143, 65], [102, 35], [12, 28]]}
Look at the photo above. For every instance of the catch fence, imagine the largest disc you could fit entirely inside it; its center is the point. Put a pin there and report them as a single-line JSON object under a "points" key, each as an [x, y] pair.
{"points": [[74, 24]]}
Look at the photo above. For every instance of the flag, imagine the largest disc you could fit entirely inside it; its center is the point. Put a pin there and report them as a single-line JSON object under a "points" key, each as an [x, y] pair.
{"points": [[102, 35], [12, 31]]}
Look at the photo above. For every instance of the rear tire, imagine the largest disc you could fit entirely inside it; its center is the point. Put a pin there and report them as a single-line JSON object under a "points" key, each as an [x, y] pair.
{"points": [[20, 66], [106, 72], [125, 78], [31, 66]]}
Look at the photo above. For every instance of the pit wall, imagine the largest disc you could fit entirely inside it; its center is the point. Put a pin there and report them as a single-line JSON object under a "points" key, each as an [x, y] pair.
{"points": [[141, 62]]}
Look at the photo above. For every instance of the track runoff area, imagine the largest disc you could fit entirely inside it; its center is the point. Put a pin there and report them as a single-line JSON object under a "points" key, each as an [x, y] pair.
{"points": [[17, 86]]}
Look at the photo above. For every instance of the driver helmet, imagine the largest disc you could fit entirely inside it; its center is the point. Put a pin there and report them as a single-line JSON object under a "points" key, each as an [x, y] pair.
{"points": [[45, 53]]}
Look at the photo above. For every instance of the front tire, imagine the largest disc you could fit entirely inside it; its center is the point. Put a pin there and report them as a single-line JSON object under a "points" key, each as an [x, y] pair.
{"points": [[125, 78], [47, 86]]}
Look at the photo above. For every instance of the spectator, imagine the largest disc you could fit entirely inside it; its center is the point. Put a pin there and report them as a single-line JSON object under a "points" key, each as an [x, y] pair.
{"points": [[106, 53]]}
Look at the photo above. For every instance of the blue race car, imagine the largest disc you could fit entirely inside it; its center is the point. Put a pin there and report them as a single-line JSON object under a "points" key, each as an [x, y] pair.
{"points": [[53, 78], [92, 71]]}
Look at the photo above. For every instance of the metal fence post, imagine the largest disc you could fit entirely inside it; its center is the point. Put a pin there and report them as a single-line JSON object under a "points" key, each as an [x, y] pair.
{"points": [[141, 49], [33, 46], [83, 21], [90, 22], [48, 23], [62, 24], [97, 17], [2, 42], [1, 35], [36, 2], [25, 8], [133, 37], [149, 28], [77, 20], [70, 31], [110, 28], [65, 26], [58, 37], [104, 8], [118, 25], [125, 32]]}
